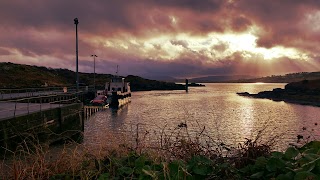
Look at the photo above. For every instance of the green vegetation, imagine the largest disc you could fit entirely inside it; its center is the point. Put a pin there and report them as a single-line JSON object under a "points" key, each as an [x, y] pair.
{"points": [[294, 163], [26, 76], [178, 157]]}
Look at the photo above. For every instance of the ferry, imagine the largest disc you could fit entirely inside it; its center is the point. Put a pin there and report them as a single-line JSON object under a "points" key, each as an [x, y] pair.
{"points": [[117, 92]]}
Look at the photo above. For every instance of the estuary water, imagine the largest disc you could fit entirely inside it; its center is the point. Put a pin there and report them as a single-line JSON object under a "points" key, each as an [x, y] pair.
{"points": [[215, 108]]}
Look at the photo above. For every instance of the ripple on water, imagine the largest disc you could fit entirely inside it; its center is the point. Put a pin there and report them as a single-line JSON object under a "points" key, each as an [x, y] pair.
{"points": [[225, 115]]}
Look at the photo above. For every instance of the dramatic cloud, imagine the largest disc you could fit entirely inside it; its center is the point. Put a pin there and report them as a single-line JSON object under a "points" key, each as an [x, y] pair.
{"points": [[178, 38]]}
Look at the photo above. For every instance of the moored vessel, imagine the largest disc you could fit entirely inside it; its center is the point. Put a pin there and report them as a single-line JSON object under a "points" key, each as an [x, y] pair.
{"points": [[118, 92]]}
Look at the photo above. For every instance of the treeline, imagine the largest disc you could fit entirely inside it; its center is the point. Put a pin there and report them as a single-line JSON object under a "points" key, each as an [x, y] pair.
{"points": [[287, 78], [27, 76]]}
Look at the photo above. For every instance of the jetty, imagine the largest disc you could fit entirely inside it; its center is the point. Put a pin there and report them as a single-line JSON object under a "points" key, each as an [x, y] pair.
{"points": [[46, 115]]}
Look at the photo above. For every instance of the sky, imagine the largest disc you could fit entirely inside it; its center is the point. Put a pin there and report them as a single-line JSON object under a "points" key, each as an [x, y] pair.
{"points": [[160, 38]]}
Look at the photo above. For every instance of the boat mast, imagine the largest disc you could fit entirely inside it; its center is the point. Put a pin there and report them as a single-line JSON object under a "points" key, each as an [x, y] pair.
{"points": [[117, 70]]}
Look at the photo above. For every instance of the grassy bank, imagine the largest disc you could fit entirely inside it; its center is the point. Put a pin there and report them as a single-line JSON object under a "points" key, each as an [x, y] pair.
{"points": [[17, 76], [176, 155]]}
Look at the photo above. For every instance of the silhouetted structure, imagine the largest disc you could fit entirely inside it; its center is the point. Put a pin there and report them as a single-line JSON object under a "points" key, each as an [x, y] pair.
{"points": [[76, 22], [187, 85], [94, 70]]}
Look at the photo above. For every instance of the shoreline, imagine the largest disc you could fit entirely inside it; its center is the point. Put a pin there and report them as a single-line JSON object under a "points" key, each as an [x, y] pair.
{"points": [[277, 98]]}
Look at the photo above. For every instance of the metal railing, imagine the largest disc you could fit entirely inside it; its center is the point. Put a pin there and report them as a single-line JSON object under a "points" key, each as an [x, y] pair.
{"points": [[23, 106], [6, 94]]}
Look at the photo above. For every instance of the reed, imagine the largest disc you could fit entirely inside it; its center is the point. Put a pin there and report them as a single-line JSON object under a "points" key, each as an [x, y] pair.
{"points": [[176, 153]]}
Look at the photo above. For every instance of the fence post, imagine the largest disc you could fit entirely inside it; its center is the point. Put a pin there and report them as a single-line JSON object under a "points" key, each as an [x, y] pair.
{"points": [[28, 105], [15, 108]]}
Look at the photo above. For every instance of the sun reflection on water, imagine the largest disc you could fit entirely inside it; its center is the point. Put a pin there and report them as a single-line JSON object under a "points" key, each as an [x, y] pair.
{"points": [[217, 107]]}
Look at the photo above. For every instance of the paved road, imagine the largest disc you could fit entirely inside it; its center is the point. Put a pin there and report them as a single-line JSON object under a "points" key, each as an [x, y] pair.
{"points": [[15, 94], [11, 109]]}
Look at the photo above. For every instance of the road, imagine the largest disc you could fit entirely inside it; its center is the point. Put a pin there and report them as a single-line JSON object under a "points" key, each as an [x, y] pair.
{"points": [[8, 96], [12, 109]]}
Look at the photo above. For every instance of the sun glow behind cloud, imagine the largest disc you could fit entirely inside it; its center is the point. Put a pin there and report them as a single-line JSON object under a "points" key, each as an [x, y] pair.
{"points": [[212, 47]]}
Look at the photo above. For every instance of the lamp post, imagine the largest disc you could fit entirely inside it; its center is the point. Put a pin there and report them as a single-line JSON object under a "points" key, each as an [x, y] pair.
{"points": [[76, 22], [94, 70]]}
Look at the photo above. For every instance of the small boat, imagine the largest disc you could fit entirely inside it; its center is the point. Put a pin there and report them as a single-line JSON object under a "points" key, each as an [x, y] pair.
{"points": [[100, 100]]}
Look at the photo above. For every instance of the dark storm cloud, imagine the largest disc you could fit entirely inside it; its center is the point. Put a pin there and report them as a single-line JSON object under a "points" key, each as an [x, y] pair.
{"points": [[45, 28], [240, 23], [233, 65], [109, 16], [34, 43], [177, 68], [280, 20], [203, 5], [101, 17]]}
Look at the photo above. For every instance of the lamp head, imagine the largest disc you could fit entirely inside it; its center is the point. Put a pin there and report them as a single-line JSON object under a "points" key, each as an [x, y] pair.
{"points": [[76, 21]]}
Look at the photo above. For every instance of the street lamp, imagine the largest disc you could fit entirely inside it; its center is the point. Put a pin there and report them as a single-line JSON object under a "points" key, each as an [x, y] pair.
{"points": [[94, 70], [76, 22]]}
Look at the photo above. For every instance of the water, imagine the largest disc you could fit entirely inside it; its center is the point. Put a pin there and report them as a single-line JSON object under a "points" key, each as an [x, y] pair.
{"points": [[217, 108]]}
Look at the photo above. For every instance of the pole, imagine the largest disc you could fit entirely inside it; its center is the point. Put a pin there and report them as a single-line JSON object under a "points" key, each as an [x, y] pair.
{"points": [[187, 83], [76, 22], [94, 70], [117, 70]]}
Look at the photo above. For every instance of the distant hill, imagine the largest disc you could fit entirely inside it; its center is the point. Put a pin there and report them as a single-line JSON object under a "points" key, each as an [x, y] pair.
{"points": [[305, 85], [287, 78], [214, 79], [26, 76], [139, 84], [161, 78]]}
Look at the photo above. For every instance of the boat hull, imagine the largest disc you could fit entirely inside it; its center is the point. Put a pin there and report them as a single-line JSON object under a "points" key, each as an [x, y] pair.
{"points": [[118, 99]]}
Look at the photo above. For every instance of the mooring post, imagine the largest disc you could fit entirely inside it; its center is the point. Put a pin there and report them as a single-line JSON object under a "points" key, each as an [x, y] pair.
{"points": [[186, 85]]}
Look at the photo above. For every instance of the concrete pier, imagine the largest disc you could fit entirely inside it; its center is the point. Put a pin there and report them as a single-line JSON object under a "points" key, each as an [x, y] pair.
{"points": [[49, 125]]}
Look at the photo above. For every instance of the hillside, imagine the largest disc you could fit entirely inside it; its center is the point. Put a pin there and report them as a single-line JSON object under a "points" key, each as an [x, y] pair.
{"points": [[306, 92], [218, 79], [287, 78], [23, 76]]}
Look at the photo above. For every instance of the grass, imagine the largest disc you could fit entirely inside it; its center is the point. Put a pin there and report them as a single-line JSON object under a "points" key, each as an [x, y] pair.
{"points": [[175, 154]]}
